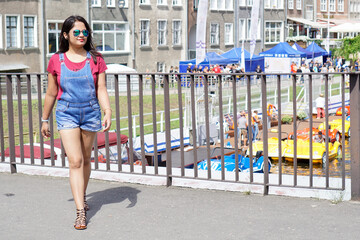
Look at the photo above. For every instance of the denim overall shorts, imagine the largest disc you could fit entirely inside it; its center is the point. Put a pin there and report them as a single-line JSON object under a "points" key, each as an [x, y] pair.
{"points": [[78, 106]]}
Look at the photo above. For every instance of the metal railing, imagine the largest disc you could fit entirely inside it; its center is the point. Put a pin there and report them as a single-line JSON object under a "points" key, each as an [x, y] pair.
{"points": [[21, 114]]}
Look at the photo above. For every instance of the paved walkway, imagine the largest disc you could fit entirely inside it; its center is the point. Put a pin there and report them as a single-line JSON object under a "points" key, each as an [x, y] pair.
{"points": [[39, 207]]}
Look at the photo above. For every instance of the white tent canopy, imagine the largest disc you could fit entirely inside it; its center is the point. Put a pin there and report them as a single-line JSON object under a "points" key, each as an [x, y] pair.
{"points": [[118, 68], [346, 28]]}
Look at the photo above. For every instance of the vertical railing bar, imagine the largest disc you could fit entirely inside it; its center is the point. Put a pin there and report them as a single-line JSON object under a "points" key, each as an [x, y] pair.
{"points": [[38, 78], [181, 123], [11, 123], [235, 128], [51, 120], [355, 134], [117, 115], [167, 130], [141, 116], [193, 123], [30, 117], [107, 151], [279, 126], [20, 118], [131, 147], [96, 155], [294, 129], [2, 141], [343, 132], [265, 134], [207, 123], [311, 177], [250, 127], [327, 128], [221, 120], [154, 117]]}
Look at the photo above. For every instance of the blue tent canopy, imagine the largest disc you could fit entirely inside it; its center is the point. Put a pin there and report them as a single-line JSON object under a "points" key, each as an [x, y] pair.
{"points": [[316, 50], [300, 49], [250, 65], [283, 49], [211, 58]]}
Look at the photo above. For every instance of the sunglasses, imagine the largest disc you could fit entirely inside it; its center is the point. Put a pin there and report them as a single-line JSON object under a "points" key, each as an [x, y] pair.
{"points": [[84, 32]]}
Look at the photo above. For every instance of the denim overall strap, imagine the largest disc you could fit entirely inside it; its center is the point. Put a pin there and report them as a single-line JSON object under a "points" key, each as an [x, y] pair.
{"points": [[78, 86]]}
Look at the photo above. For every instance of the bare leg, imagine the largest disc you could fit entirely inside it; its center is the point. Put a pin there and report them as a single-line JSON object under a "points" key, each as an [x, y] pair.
{"points": [[87, 141], [71, 139]]}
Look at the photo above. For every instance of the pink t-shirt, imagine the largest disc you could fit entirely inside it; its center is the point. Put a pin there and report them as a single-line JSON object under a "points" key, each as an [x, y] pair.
{"points": [[54, 67]]}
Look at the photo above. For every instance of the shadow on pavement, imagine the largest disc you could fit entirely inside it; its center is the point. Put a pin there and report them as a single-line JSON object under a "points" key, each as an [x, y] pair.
{"points": [[112, 195]]}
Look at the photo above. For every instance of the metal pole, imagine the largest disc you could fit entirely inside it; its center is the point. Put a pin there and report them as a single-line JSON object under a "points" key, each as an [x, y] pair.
{"points": [[355, 136], [236, 23]]}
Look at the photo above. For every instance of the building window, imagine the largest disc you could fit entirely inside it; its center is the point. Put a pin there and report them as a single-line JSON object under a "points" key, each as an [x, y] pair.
{"points": [[29, 32], [1, 37], [12, 32], [111, 36], [160, 66], [291, 4], [176, 2], [242, 3], [249, 29], [161, 2], [309, 12], [298, 4], [249, 3], [162, 32], [275, 4], [144, 32], [144, 2], [242, 29], [214, 34], [110, 3], [53, 29], [273, 32], [176, 32], [341, 5], [323, 7], [221, 4], [96, 3], [229, 34], [332, 5]]}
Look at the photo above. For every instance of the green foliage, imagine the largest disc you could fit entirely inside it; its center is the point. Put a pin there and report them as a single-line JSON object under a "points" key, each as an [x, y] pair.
{"points": [[287, 119], [350, 46], [302, 115]]}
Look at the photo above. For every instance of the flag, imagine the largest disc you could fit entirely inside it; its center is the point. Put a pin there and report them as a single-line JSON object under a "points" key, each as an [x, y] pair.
{"points": [[254, 25], [242, 65], [201, 31]]}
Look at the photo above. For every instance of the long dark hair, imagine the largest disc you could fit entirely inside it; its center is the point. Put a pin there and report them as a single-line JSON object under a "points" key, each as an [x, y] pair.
{"points": [[67, 26]]}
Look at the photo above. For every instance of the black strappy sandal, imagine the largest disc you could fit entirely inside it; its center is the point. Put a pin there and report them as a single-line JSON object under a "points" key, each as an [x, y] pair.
{"points": [[80, 222]]}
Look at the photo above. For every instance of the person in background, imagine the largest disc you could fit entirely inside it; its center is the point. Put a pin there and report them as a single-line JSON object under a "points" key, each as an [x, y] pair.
{"points": [[356, 65], [319, 137], [320, 106], [258, 70], [293, 67], [311, 66], [256, 122], [189, 69], [242, 128], [77, 80]]}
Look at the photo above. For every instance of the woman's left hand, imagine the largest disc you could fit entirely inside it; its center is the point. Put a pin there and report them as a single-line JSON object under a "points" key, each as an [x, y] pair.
{"points": [[107, 121]]}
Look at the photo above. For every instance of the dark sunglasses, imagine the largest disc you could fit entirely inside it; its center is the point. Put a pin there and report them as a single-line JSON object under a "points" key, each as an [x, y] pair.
{"points": [[84, 32]]}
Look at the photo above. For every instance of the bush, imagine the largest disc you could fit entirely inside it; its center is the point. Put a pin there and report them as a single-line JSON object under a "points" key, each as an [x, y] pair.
{"points": [[287, 119], [302, 116]]}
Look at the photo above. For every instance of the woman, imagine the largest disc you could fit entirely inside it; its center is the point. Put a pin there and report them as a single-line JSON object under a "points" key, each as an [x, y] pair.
{"points": [[76, 78]]}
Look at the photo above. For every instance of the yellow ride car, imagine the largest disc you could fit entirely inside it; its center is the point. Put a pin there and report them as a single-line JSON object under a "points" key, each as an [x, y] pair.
{"points": [[337, 124], [273, 148], [303, 150], [318, 150]]}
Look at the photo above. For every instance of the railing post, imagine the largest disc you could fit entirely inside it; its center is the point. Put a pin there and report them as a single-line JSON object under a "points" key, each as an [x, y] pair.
{"points": [[355, 136], [10, 107]]}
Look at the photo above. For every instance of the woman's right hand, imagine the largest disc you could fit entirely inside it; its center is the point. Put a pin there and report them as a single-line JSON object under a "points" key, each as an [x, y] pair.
{"points": [[45, 130]]}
